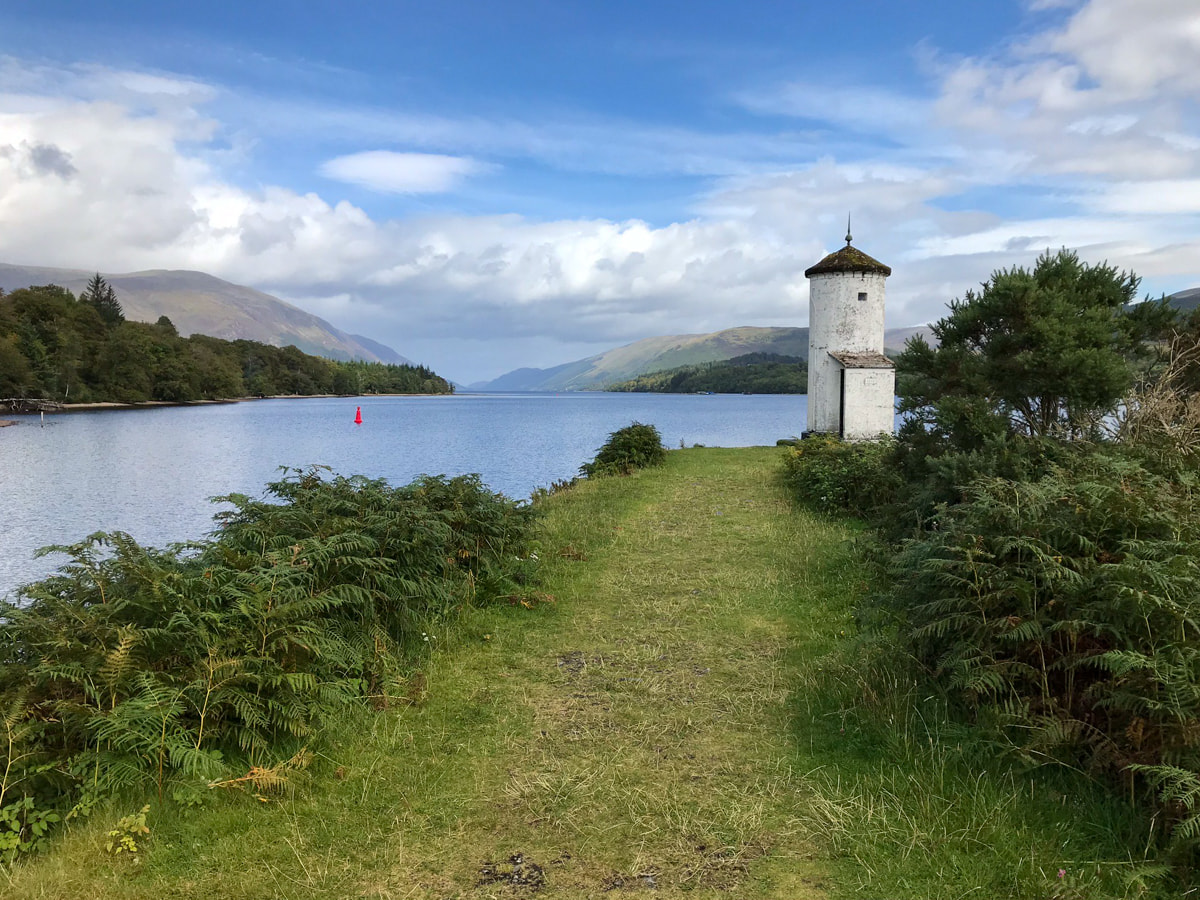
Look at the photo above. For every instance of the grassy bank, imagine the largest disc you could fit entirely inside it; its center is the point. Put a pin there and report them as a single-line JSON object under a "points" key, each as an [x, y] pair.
{"points": [[675, 722]]}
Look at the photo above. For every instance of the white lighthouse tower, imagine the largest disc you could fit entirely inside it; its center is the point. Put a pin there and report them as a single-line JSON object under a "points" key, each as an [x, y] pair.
{"points": [[851, 384]]}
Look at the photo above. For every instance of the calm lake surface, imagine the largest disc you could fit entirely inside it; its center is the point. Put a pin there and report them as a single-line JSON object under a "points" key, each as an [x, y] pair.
{"points": [[150, 472]]}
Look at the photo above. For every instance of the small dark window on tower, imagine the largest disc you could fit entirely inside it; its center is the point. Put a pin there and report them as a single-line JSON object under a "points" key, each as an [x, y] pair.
{"points": [[862, 296]]}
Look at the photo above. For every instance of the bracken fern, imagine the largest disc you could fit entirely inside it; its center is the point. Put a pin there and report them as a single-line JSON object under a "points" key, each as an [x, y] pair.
{"points": [[139, 668]]}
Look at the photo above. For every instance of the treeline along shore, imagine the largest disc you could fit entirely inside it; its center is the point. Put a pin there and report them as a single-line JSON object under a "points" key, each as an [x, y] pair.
{"points": [[82, 350]]}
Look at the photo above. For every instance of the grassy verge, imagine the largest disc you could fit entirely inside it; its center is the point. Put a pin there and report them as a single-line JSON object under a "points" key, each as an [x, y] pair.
{"points": [[674, 723]]}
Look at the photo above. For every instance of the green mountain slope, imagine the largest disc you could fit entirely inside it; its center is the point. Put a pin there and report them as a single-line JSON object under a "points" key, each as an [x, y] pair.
{"points": [[197, 303], [669, 352], [753, 373]]}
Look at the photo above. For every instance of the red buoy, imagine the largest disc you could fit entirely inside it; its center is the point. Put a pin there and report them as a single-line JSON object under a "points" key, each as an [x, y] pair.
{"points": [[358, 415]]}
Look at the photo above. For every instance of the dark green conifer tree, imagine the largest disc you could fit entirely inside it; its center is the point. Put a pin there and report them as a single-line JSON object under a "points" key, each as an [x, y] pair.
{"points": [[100, 294], [1042, 353]]}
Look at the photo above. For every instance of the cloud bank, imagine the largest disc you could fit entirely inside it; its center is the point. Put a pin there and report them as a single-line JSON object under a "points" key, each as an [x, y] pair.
{"points": [[1085, 134]]}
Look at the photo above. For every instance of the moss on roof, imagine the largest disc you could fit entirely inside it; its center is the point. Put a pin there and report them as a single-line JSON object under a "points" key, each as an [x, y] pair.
{"points": [[848, 259]]}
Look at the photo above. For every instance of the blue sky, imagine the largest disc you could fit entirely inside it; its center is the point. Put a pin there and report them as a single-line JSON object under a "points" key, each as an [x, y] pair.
{"points": [[485, 186]]}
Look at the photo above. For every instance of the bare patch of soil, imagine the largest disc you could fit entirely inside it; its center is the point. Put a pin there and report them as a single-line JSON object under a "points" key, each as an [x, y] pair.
{"points": [[722, 868], [518, 872], [619, 882], [572, 661]]}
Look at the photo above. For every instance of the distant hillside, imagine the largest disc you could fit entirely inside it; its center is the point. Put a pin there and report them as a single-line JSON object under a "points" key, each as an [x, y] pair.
{"points": [[753, 373], [659, 353], [197, 303], [1185, 301]]}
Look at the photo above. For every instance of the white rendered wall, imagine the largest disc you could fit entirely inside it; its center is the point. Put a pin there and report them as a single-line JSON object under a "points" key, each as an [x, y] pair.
{"points": [[870, 403], [838, 321]]}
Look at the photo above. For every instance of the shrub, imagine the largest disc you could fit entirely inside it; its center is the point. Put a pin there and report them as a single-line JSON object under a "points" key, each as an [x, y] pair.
{"points": [[633, 447], [167, 668], [1047, 352], [1067, 611], [835, 476], [928, 476]]}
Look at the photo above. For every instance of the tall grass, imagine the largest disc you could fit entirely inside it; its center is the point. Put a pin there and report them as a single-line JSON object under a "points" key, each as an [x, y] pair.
{"points": [[911, 797]]}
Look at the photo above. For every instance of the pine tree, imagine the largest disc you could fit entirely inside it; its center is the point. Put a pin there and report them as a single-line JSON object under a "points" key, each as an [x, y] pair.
{"points": [[1047, 353], [100, 294]]}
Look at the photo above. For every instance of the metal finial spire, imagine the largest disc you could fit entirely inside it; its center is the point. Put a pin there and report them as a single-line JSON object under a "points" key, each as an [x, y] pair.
{"points": [[848, 237]]}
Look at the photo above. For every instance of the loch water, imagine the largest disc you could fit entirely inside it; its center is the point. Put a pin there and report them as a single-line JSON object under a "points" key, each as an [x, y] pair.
{"points": [[151, 472]]}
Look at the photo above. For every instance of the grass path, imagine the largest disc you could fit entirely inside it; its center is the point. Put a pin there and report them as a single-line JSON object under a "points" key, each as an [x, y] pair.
{"points": [[632, 736], [635, 737], [646, 734]]}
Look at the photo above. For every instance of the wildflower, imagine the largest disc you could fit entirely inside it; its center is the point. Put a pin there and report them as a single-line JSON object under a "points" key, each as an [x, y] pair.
{"points": [[1062, 873]]}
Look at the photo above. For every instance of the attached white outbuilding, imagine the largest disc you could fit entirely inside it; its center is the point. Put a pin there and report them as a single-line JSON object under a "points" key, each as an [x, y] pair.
{"points": [[851, 383]]}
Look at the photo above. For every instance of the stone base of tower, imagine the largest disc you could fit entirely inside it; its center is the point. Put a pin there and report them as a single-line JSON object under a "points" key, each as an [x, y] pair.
{"points": [[855, 401], [870, 409]]}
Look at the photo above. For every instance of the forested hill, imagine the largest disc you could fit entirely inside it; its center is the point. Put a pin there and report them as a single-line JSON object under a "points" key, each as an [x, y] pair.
{"points": [[751, 373], [199, 303], [56, 346]]}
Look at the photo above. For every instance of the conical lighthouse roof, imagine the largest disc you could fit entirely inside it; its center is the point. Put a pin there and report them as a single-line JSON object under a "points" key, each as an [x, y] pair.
{"points": [[848, 259]]}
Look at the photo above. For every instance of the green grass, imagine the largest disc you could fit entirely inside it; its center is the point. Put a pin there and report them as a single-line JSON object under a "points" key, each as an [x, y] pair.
{"points": [[686, 718]]}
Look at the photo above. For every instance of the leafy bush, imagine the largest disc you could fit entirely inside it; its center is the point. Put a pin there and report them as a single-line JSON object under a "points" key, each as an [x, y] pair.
{"points": [[163, 668], [1067, 611], [929, 478], [835, 476], [635, 446]]}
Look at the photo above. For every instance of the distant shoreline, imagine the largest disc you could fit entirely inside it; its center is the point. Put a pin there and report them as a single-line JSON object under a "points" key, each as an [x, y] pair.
{"points": [[104, 405]]}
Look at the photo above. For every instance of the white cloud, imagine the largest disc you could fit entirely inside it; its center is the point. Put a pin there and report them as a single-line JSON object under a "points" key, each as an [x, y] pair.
{"points": [[402, 173], [110, 170], [865, 108], [142, 196], [1134, 48], [1179, 195], [1108, 94]]}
